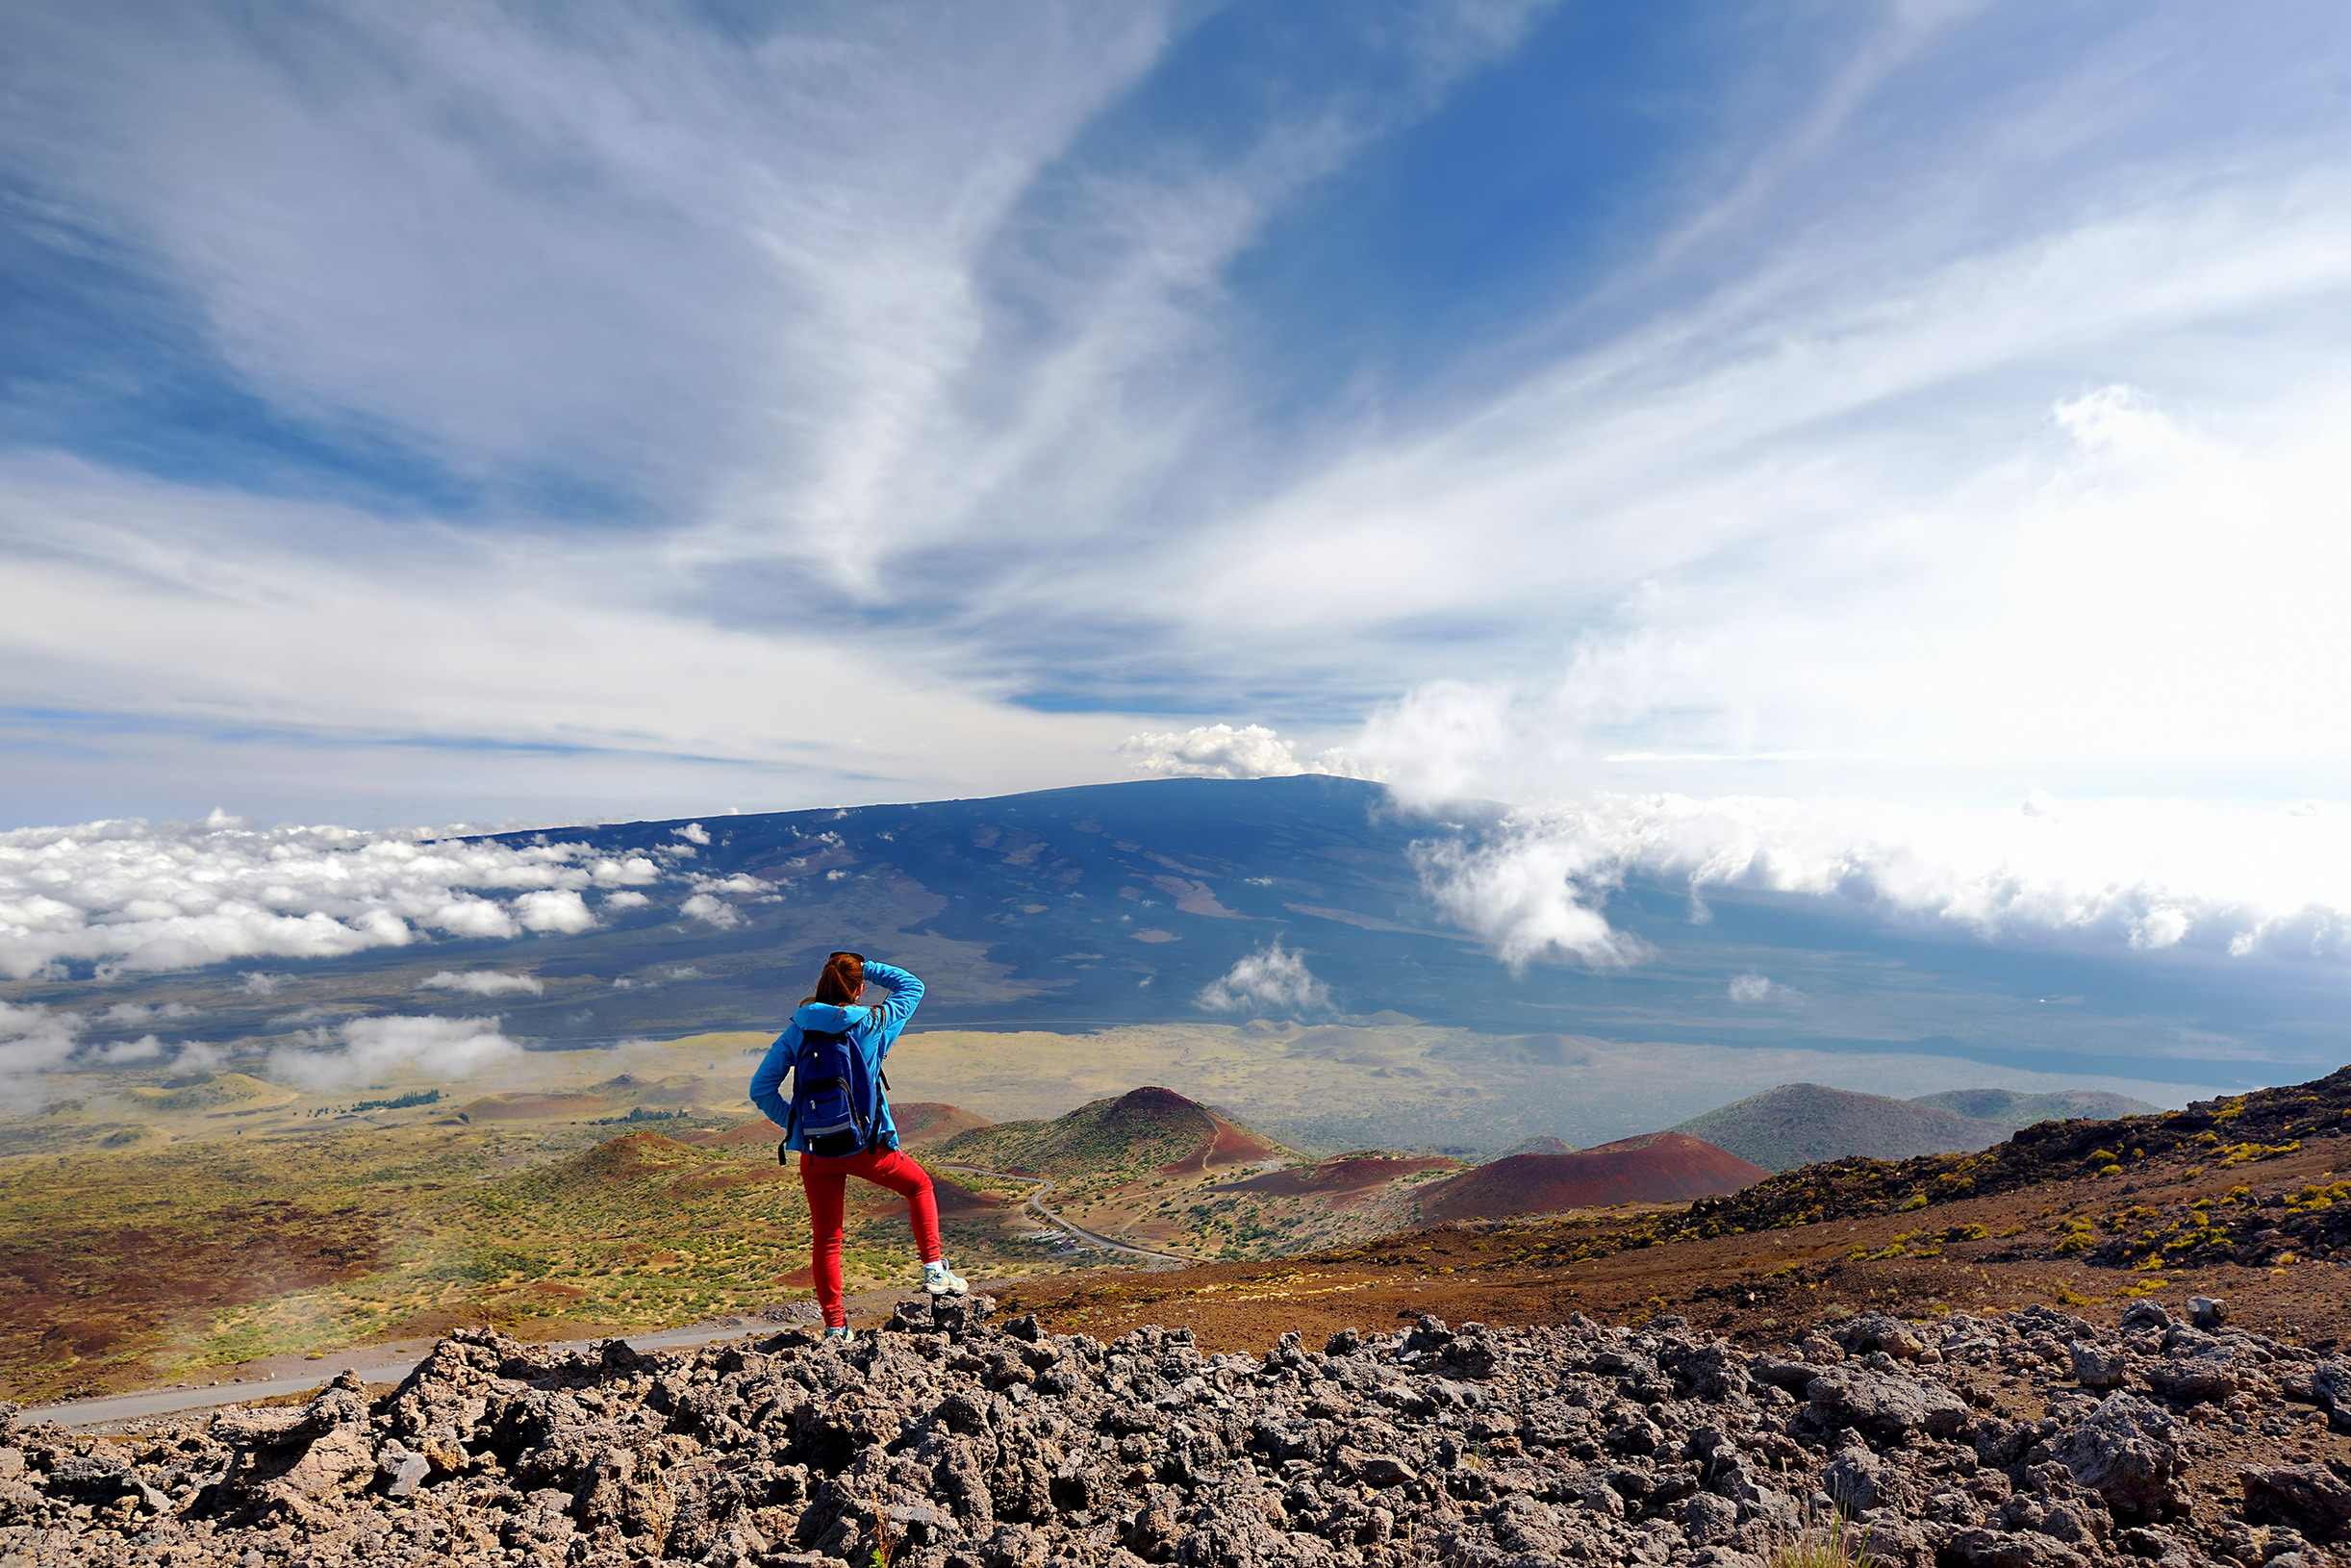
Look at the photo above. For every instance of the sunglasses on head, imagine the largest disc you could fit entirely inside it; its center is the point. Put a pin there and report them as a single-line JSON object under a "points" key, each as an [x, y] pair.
{"points": [[860, 957]]}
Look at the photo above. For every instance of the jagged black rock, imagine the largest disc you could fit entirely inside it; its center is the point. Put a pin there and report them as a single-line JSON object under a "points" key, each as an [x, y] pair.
{"points": [[947, 1440]]}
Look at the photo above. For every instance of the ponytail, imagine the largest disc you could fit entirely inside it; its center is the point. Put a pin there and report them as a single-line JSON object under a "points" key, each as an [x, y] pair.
{"points": [[839, 983]]}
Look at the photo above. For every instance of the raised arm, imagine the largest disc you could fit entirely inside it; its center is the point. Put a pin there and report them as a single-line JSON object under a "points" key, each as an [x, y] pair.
{"points": [[905, 995]]}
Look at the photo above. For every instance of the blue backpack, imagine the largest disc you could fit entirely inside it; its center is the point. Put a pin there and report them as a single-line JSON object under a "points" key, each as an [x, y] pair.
{"points": [[835, 1100]]}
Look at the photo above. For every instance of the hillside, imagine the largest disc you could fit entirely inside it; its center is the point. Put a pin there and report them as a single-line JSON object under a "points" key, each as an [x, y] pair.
{"points": [[1654, 1167], [1351, 1198], [1533, 1146], [1350, 1176], [921, 1123], [1141, 1132], [2011, 1108], [2243, 1200], [1803, 1124], [206, 1091]]}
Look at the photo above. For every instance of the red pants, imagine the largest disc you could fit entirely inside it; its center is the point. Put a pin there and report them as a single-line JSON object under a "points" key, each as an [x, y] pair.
{"points": [[826, 1180]]}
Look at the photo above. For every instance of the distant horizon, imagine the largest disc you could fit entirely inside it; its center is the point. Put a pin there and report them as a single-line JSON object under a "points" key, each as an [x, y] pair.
{"points": [[1308, 902]]}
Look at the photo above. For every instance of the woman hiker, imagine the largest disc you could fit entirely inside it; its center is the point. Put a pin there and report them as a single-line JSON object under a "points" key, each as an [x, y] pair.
{"points": [[838, 1117]]}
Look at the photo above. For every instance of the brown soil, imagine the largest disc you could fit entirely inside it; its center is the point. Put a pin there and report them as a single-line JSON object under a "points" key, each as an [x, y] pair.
{"points": [[761, 1131], [959, 1201], [1654, 1168], [1337, 1179], [924, 1121], [71, 1294], [1229, 1143], [2006, 1250]]}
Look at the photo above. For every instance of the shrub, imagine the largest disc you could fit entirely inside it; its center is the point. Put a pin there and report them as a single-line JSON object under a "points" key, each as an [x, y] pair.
{"points": [[1829, 1546]]}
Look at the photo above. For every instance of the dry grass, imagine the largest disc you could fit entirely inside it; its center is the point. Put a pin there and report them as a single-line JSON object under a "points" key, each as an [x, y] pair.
{"points": [[123, 1266], [1833, 1545]]}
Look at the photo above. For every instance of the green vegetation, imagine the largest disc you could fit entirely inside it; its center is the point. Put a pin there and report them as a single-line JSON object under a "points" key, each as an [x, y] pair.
{"points": [[1800, 1124], [1833, 1546], [1099, 1144], [202, 1094], [401, 1103], [152, 1261], [2011, 1108]]}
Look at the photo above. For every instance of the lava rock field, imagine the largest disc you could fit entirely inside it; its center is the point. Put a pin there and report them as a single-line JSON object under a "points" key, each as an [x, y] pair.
{"points": [[947, 1440]]}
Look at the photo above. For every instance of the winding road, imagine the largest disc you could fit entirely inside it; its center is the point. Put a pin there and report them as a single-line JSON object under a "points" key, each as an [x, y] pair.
{"points": [[1039, 1187]]}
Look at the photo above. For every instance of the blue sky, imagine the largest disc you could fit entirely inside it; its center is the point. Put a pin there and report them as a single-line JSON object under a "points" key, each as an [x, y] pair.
{"points": [[1879, 458], [523, 412]]}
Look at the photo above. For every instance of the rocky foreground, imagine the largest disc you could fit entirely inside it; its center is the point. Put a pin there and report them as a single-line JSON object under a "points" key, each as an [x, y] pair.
{"points": [[950, 1442]]}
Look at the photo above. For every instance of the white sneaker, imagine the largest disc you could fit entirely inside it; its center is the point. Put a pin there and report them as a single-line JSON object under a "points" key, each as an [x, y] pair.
{"points": [[837, 1336], [941, 1281]]}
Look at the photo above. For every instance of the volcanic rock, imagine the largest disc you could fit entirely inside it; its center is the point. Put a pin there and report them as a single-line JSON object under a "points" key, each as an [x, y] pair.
{"points": [[950, 1440]]}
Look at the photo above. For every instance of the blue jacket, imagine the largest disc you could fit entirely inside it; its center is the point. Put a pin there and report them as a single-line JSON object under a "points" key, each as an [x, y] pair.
{"points": [[871, 1031]]}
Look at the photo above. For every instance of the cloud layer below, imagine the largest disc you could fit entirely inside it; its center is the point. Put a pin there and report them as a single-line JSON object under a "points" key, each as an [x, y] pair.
{"points": [[2193, 879], [379, 1051], [133, 895]]}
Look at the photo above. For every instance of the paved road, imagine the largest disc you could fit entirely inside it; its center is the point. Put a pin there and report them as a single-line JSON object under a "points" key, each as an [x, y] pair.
{"points": [[1036, 1206]]}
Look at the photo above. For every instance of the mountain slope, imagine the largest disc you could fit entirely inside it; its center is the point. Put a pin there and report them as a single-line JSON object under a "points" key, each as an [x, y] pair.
{"points": [[1142, 1131], [1349, 1176], [2240, 1198], [1532, 1146], [1104, 904], [2009, 1108], [1654, 1167], [1803, 1124], [923, 1123]]}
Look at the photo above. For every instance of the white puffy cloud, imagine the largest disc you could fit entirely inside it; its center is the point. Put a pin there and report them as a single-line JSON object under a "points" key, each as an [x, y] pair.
{"points": [[383, 1049], [712, 911], [1750, 988], [1223, 751], [1273, 979], [2226, 882], [1537, 895], [197, 1056], [134, 896], [33, 1039], [740, 882], [483, 982], [554, 909], [145, 1048]]}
